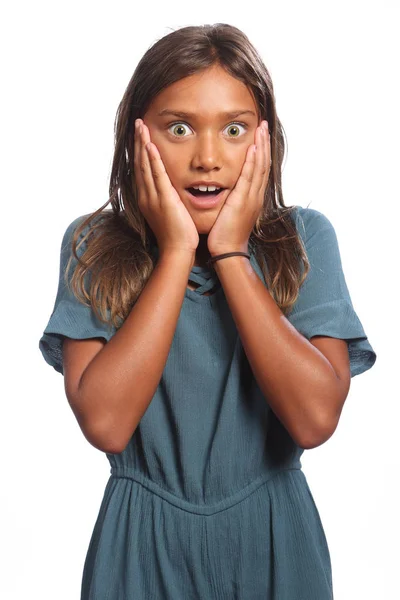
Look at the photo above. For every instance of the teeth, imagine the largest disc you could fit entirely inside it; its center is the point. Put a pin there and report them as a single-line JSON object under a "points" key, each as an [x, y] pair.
{"points": [[206, 188]]}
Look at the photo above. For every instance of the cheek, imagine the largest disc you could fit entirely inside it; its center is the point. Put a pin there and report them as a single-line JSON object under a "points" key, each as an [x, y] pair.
{"points": [[170, 162], [173, 159], [237, 165], [173, 165], [166, 151]]}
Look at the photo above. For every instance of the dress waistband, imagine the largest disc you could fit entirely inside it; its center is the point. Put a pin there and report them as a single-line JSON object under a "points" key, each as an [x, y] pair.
{"points": [[199, 509]]}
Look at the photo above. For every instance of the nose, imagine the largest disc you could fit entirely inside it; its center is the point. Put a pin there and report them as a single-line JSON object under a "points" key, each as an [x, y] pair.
{"points": [[207, 152]]}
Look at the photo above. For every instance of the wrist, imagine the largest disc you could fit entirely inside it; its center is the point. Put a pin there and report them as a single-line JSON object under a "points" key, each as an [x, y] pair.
{"points": [[228, 250], [224, 256], [180, 256]]}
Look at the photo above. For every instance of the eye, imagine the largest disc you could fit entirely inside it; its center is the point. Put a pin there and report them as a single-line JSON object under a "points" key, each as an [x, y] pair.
{"points": [[180, 125]]}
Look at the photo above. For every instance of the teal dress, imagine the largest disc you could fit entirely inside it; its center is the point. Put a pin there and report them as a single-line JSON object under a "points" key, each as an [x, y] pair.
{"points": [[208, 501]]}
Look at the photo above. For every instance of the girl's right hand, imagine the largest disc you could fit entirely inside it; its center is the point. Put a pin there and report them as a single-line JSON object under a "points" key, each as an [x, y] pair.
{"points": [[159, 201]]}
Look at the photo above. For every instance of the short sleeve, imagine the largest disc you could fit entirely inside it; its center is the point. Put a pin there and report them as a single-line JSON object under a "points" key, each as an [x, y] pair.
{"points": [[324, 306], [70, 318]]}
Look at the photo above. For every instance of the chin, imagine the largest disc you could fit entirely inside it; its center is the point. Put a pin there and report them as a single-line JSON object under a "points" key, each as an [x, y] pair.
{"points": [[203, 230], [204, 219], [204, 222]]}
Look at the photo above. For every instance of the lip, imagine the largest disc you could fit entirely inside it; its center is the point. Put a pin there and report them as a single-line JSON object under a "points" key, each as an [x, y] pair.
{"points": [[216, 183], [206, 201]]}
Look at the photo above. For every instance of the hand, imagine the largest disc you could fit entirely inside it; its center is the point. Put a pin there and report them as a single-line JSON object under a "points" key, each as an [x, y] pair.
{"points": [[159, 201], [235, 222]]}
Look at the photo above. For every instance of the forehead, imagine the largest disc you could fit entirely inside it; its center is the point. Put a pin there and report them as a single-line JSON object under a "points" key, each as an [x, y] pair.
{"points": [[207, 95]]}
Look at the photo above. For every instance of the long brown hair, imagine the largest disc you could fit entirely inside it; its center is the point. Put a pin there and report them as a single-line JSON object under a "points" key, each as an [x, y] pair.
{"points": [[118, 242]]}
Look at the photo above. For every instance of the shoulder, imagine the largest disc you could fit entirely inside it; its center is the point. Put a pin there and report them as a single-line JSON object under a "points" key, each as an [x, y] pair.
{"points": [[73, 226], [67, 239], [311, 222]]}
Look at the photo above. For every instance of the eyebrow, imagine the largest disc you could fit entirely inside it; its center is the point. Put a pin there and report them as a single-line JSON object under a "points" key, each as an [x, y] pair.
{"points": [[185, 115]]}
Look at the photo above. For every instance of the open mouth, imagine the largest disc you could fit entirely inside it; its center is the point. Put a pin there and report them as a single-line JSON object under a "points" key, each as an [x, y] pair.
{"points": [[203, 200], [200, 194]]}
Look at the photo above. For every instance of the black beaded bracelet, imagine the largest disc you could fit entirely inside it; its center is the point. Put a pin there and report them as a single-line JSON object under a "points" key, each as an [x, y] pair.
{"points": [[214, 258]]}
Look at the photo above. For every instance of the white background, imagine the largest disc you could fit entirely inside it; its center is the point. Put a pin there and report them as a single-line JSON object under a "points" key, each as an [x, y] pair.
{"points": [[65, 67]]}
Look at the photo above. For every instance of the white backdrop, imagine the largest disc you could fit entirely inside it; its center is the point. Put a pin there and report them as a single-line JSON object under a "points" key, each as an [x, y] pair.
{"points": [[65, 67]]}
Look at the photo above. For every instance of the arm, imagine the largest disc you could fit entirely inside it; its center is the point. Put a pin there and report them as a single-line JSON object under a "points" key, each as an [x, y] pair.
{"points": [[117, 386], [298, 381]]}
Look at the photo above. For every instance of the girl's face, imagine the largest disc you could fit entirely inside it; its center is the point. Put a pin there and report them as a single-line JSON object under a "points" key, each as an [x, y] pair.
{"points": [[205, 144]]}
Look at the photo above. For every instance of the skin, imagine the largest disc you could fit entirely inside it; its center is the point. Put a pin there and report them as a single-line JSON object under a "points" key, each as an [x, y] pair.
{"points": [[208, 146]]}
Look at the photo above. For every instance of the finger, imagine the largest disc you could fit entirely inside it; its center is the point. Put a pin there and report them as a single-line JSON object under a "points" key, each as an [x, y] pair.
{"points": [[142, 165], [252, 173], [260, 172], [145, 165], [268, 148], [160, 180], [268, 156], [136, 156], [244, 182]]}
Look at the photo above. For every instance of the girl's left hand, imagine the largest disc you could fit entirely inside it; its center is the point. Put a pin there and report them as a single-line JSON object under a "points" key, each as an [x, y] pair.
{"points": [[235, 222]]}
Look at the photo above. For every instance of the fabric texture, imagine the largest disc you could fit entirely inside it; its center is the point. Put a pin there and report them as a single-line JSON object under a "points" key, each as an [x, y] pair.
{"points": [[209, 500], [324, 306], [70, 318]]}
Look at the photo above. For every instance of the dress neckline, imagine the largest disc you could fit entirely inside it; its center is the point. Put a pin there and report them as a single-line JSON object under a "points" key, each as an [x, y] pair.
{"points": [[207, 279]]}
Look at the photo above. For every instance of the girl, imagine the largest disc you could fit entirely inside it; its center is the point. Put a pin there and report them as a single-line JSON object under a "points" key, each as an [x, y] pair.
{"points": [[206, 337]]}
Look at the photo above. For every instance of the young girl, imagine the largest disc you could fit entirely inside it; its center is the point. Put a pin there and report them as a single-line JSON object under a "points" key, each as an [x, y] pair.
{"points": [[206, 339]]}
